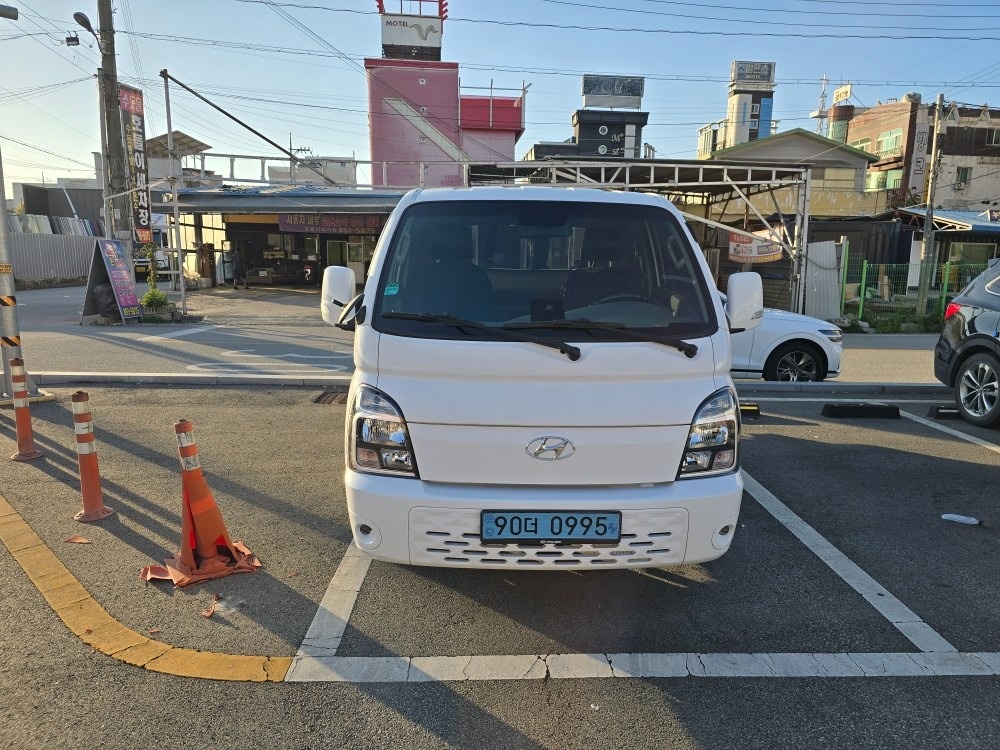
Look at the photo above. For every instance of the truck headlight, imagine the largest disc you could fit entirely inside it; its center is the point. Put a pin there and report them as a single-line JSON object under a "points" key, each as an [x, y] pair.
{"points": [[377, 439], [712, 443]]}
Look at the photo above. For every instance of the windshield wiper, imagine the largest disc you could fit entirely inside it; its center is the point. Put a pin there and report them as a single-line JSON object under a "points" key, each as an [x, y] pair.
{"points": [[569, 350], [582, 324]]}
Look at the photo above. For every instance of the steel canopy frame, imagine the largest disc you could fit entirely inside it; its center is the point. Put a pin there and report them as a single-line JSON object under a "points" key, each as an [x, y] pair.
{"points": [[707, 183]]}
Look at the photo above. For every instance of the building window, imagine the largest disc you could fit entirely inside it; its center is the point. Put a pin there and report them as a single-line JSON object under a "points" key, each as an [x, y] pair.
{"points": [[833, 178], [962, 177], [993, 137], [875, 180], [755, 109], [893, 179], [753, 124], [889, 144], [862, 144]]}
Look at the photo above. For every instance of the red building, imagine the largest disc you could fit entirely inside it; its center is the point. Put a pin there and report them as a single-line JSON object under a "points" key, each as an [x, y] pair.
{"points": [[423, 128]]}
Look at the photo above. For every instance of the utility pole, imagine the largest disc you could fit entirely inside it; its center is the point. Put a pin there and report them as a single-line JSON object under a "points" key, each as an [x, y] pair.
{"points": [[121, 216], [927, 253], [117, 217], [10, 332]]}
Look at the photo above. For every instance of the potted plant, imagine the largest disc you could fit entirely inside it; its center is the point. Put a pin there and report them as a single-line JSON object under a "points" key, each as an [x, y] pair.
{"points": [[154, 301]]}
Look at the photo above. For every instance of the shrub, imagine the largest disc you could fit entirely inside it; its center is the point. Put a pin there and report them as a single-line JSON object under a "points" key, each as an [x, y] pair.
{"points": [[154, 298], [890, 323], [931, 323]]}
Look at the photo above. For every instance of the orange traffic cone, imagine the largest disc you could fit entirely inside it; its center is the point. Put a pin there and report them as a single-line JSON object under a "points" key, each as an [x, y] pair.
{"points": [[26, 450], [94, 508], [206, 550]]}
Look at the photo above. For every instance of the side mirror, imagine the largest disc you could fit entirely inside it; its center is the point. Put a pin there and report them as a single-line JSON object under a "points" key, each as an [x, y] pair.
{"points": [[353, 314], [745, 302], [339, 286]]}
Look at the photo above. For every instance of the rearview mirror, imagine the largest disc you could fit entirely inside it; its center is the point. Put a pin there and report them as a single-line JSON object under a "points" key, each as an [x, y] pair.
{"points": [[745, 301], [339, 287]]}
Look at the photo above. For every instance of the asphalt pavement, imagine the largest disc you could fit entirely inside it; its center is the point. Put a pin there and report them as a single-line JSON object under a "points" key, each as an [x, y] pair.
{"points": [[841, 565], [277, 335], [846, 614], [237, 335]]}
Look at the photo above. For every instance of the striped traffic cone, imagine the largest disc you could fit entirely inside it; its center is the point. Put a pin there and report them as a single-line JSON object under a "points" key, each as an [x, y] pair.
{"points": [[206, 549], [94, 508], [22, 413]]}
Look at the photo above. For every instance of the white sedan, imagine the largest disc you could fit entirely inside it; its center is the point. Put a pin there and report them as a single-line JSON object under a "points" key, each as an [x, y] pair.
{"points": [[788, 346]]}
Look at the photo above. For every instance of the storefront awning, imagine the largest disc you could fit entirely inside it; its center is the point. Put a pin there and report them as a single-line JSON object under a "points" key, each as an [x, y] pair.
{"points": [[281, 199]]}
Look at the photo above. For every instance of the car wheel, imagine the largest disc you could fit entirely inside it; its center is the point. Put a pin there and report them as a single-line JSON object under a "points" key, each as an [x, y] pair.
{"points": [[795, 362], [977, 390]]}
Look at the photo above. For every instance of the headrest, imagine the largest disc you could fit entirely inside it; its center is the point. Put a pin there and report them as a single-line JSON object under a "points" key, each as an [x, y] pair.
{"points": [[603, 245], [451, 243]]}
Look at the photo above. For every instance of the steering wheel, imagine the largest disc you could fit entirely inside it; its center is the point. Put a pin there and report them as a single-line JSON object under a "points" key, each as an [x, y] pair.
{"points": [[623, 296]]}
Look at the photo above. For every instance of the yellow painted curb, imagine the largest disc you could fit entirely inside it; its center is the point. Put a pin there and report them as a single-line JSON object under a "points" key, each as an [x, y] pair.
{"points": [[88, 619]]}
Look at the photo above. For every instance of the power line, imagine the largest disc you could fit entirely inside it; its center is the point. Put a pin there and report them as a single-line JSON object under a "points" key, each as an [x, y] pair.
{"points": [[430, 117], [892, 14], [525, 70], [767, 22], [23, 95], [47, 46], [615, 29], [742, 34], [44, 151], [886, 2]]}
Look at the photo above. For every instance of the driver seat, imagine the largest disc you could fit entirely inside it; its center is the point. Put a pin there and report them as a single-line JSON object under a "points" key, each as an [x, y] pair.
{"points": [[606, 269]]}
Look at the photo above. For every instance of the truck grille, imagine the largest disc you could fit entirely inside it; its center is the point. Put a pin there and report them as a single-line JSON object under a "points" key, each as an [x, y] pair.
{"points": [[450, 538]]}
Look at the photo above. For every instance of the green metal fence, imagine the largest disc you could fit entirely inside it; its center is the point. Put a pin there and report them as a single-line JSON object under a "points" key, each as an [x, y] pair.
{"points": [[874, 292]]}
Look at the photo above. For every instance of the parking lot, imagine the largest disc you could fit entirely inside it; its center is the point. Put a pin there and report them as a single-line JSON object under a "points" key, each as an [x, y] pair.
{"points": [[842, 568]]}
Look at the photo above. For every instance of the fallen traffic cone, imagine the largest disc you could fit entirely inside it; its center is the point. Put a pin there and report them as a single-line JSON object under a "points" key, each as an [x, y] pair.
{"points": [[206, 550], [22, 413], [86, 455]]}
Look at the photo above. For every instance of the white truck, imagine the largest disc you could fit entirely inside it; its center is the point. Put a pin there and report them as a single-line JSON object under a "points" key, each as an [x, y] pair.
{"points": [[542, 381]]}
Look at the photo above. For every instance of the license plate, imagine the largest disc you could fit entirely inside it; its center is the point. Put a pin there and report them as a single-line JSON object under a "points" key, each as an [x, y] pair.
{"points": [[527, 527]]}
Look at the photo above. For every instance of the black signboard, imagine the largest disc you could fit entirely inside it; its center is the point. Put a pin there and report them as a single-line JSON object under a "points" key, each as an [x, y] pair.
{"points": [[594, 85], [109, 283]]}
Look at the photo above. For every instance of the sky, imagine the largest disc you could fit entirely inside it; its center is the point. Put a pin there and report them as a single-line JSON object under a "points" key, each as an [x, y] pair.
{"points": [[305, 88]]}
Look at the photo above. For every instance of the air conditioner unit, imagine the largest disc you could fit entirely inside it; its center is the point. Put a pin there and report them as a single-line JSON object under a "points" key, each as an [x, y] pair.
{"points": [[959, 186]]}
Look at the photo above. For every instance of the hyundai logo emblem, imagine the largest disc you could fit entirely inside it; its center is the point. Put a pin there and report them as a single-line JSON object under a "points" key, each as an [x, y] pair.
{"points": [[550, 448]]}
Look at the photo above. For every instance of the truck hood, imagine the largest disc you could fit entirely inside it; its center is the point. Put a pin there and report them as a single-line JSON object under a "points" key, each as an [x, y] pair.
{"points": [[473, 408]]}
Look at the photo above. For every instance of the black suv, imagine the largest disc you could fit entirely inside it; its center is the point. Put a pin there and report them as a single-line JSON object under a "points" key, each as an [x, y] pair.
{"points": [[967, 355]]}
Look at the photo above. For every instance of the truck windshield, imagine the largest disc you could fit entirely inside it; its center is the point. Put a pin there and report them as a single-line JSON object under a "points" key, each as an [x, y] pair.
{"points": [[508, 264]]}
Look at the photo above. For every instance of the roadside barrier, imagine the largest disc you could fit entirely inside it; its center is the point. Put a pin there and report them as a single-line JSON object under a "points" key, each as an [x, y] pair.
{"points": [[206, 549], [26, 450], [94, 508]]}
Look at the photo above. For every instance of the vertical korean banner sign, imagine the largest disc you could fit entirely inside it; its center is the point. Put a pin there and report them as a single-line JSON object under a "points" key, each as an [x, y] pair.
{"points": [[134, 129]]}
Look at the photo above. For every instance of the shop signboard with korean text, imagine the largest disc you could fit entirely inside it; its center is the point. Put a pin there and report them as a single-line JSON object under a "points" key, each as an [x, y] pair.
{"points": [[748, 248], [332, 223], [745, 71], [109, 283], [134, 131]]}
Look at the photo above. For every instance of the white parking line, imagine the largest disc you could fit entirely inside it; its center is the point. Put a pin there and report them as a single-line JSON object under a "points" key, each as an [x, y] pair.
{"points": [[317, 660], [178, 334], [593, 666], [949, 431], [330, 622], [839, 399], [906, 621]]}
